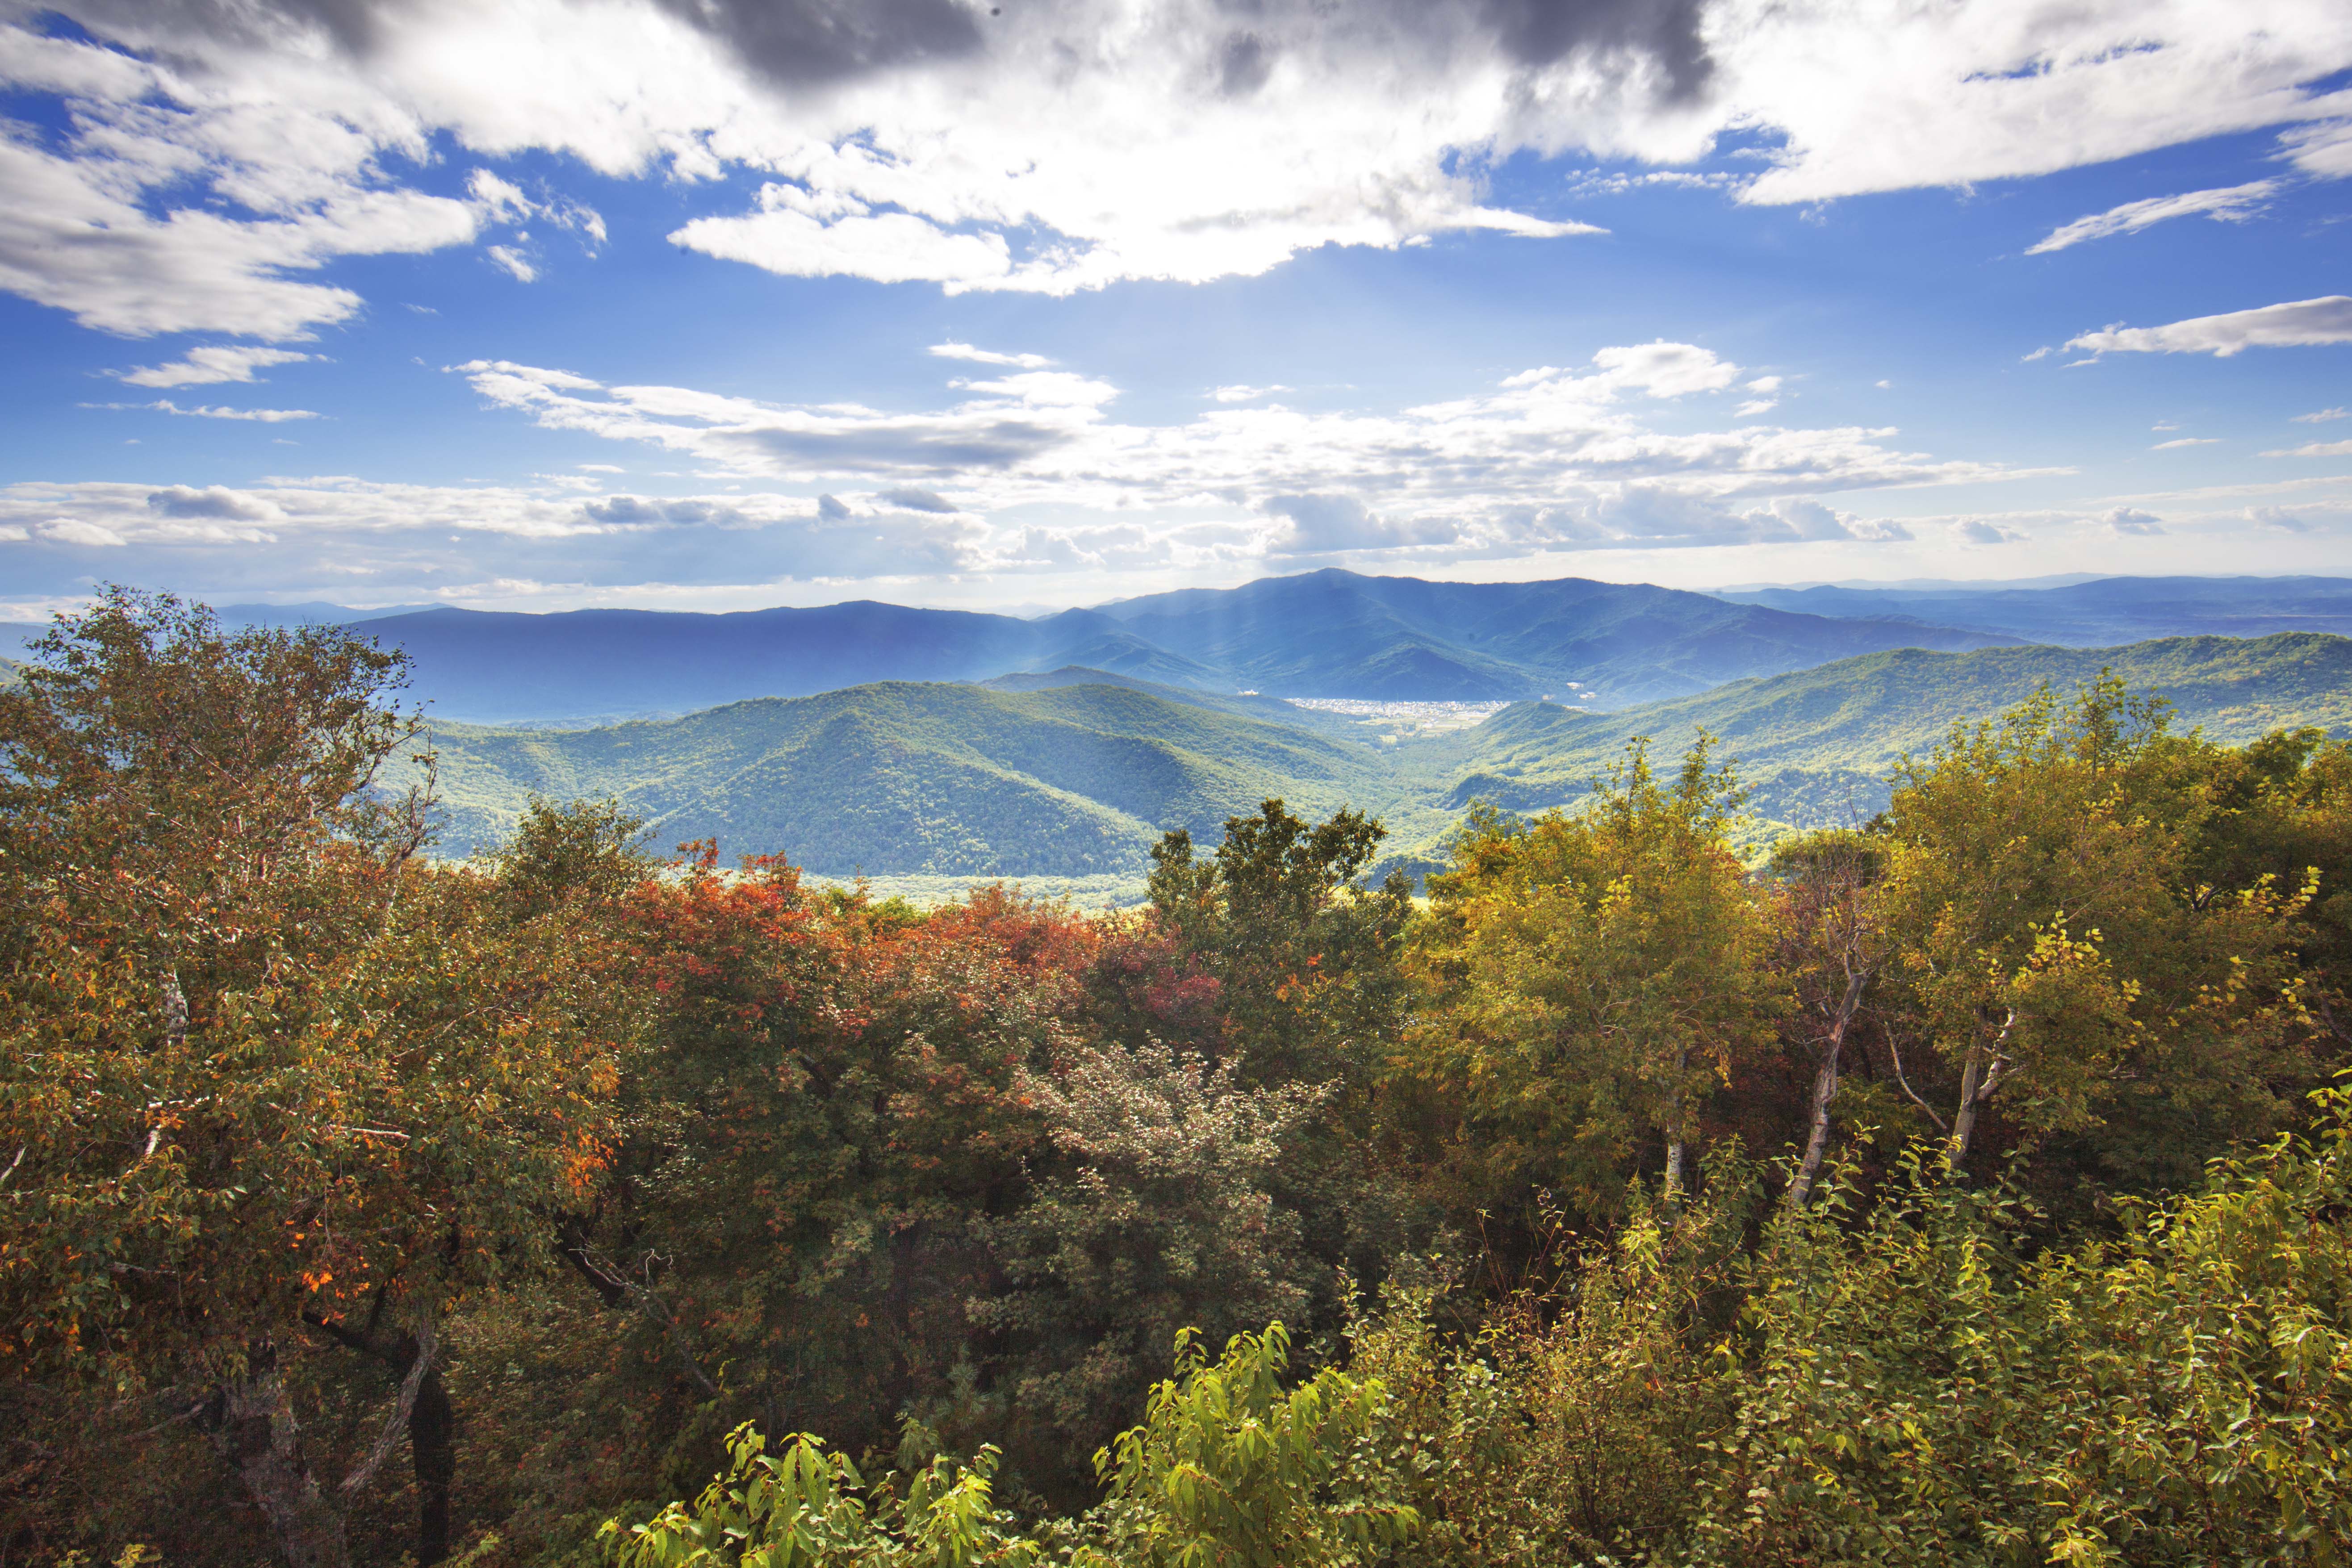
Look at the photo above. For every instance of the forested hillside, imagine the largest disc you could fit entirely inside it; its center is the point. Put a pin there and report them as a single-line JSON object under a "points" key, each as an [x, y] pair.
{"points": [[1974, 1188], [1818, 744], [902, 778], [1076, 775]]}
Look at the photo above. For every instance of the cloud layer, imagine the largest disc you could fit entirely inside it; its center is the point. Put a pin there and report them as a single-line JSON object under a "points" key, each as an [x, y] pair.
{"points": [[1025, 468], [1547, 458], [214, 156]]}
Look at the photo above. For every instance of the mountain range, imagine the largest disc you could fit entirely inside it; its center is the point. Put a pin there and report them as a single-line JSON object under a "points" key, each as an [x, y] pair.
{"points": [[1330, 634], [1322, 633], [1073, 775], [2099, 613]]}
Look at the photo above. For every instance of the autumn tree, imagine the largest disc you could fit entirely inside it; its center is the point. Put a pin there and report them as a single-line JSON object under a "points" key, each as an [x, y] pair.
{"points": [[2058, 958], [1595, 972], [1305, 959], [268, 1085]]}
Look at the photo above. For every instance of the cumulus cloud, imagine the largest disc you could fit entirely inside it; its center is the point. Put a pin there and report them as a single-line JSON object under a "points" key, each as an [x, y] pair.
{"points": [[2130, 521], [513, 263], [1549, 458], [2233, 204], [2278, 519], [2322, 416], [1984, 530], [220, 154], [1800, 518], [208, 364], [2301, 323]]}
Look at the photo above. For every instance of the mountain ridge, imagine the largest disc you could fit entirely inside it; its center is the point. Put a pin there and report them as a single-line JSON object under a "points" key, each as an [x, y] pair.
{"points": [[1074, 778]]}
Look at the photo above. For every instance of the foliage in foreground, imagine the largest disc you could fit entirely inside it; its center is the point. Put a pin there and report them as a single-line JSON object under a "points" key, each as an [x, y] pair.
{"points": [[358, 1205], [1906, 1385]]}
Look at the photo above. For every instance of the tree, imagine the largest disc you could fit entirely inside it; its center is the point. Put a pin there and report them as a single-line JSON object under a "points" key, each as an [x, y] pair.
{"points": [[1831, 943], [2058, 952], [1304, 960], [1309, 990], [1596, 972], [266, 1080], [1159, 1216]]}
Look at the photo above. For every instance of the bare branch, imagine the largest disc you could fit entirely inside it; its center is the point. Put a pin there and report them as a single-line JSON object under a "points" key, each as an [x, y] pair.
{"points": [[1897, 1052]]}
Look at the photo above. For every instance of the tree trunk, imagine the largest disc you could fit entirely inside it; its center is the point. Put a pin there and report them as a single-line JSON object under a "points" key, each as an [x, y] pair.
{"points": [[430, 1421], [1676, 1133], [433, 1452], [1964, 1115], [1825, 1088], [251, 1424]]}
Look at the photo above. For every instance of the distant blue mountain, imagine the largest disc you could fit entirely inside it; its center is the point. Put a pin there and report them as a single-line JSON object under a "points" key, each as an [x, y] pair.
{"points": [[1599, 645], [1324, 633], [2101, 613]]}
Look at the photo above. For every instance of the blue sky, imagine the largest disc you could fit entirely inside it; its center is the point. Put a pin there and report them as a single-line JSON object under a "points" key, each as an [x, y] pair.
{"points": [[545, 303]]}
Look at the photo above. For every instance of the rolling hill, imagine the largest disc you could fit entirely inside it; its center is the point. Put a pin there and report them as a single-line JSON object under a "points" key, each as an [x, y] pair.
{"points": [[1073, 775], [1816, 743], [918, 778]]}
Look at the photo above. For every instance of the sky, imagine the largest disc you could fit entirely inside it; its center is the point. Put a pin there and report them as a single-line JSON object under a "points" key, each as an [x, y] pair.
{"points": [[720, 304]]}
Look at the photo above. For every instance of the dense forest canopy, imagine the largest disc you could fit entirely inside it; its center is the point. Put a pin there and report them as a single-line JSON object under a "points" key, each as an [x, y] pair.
{"points": [[1968, 1186]]}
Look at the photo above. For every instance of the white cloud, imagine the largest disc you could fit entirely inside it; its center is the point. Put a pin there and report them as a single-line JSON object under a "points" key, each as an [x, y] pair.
{"points": [[2300, 324], [210, 363], [987, 356], [214, 411], [2321, 416], [514, 263], [1239, 392], [74, 530], [2186, 441], [2132, 522], [2315, 449], [1984, 530], [2233, 204], [2323, 150], [2277, 518], [218, 154], [887, 247]]}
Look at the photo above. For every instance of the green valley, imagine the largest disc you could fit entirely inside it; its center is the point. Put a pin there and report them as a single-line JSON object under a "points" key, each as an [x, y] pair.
{"points": [[1066, 779]]}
